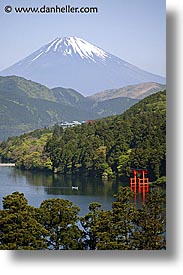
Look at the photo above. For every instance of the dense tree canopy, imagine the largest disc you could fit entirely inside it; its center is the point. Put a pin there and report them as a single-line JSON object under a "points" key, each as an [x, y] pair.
{"points": [[59, 218], [56, 224]]}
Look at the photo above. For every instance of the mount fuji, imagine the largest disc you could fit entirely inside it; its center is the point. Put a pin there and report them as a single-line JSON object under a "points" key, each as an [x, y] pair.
{"points": [[72, 62]]}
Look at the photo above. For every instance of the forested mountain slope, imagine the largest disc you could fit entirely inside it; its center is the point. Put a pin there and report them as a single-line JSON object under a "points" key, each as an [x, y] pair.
{"points": [[26, 105], [107, 147]]}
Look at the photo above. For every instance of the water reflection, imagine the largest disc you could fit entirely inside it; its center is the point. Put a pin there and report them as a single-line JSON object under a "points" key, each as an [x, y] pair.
{"points": [[62, 184], [39, 186]]}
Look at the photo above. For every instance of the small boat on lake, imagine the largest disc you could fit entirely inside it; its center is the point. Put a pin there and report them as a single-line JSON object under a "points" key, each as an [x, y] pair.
{"points": [[75, 188]]}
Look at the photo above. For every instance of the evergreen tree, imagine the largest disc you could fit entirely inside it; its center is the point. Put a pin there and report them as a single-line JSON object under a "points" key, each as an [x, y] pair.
{"points": [[59, 217], [124, 212], [109, 230], [19, 228], [151, 223], [90, 224]]}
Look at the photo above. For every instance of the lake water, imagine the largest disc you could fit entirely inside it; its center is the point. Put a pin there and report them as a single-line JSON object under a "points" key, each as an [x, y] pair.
{"points": [[39, 186]]}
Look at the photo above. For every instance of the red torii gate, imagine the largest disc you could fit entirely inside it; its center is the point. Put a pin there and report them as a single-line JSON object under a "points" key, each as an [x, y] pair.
{"points": [[139, 181]]}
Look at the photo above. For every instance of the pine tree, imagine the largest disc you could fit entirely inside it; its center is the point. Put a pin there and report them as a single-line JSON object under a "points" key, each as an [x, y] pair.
{"points": [[151, 223], [59, 217], [19, 228]]}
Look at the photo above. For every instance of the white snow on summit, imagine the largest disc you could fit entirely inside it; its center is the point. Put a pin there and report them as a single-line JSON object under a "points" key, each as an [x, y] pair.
{"points": [[51, 44], [74, 45]]}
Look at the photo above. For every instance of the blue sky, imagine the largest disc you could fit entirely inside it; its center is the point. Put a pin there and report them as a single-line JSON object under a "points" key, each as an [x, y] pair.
{"points": [[134, 30]]}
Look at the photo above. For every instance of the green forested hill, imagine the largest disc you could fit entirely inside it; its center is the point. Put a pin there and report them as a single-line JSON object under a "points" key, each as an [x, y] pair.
{"points": [[67, 96], [12, 87], [26, 105], [113, 106], [105, 147]]}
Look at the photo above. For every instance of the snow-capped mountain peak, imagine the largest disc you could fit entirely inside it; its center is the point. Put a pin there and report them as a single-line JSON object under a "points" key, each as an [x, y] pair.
{"points": [[74, 45], [72, 62]]}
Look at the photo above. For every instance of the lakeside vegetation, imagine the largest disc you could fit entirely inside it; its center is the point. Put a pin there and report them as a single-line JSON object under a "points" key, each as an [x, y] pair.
{"points": [[108, 147], [56, 224]]}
